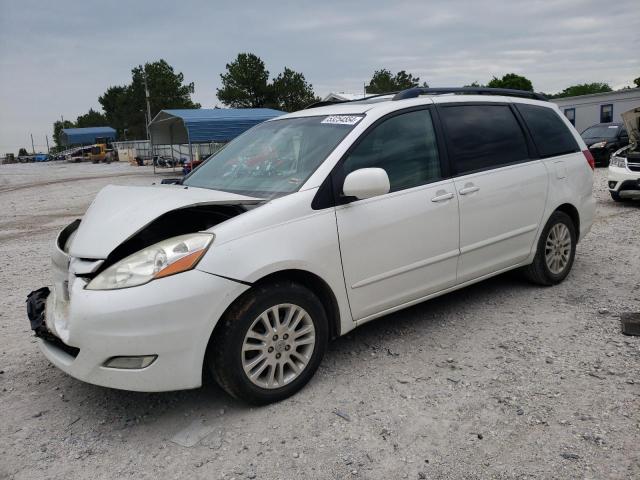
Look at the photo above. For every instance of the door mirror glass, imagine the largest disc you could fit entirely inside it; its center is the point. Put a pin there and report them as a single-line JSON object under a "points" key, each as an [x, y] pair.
{"points": [[366, 183]]}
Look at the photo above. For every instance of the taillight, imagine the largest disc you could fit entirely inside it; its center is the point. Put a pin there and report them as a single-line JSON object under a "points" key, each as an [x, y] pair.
{"points": [[590, 160]]}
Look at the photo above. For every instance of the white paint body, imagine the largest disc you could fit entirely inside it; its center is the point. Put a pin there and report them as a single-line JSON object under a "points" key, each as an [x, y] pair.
{"points": [[377, 255], [623, 171]]}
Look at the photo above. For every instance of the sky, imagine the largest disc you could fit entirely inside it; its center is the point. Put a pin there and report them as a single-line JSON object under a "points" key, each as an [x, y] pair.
{"points": [[57, 58]]}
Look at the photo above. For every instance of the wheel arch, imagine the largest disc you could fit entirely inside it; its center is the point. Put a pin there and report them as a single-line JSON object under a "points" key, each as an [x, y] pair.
{"points": [[317, 285], [572, 211], [307, 279]]}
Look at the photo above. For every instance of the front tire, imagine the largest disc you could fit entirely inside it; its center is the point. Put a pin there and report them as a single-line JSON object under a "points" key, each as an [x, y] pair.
{"points": [[555, 252], [269, 343], [616, 196]]}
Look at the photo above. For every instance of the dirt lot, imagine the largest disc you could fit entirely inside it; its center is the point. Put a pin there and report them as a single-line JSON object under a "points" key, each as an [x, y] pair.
{"points": [[501, 380]]}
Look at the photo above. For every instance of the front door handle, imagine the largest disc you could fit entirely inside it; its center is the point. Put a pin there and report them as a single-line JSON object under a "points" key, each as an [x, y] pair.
{"points": [[443, 197], [469, 188]]}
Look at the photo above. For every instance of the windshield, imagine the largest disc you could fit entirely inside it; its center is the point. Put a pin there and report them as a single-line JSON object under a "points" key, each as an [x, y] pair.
{"points": [[274, 158], [601, 131]]}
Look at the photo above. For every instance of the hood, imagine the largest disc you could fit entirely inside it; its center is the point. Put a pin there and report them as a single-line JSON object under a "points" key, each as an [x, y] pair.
{"points": [[117, 213], [631, 121]]}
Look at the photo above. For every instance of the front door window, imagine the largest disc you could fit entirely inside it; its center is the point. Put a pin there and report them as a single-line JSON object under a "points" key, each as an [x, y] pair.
{"points": [[404, 146]]}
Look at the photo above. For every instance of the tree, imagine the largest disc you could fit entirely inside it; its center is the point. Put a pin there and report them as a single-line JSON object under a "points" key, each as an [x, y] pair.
{"points": [[511, 80], [246, 83], [637, 82], [291, 91], [91, 119], [125, 106], [383, 81], [583, 89], [57, 130], [114, 103], [166, 90], [23, 152]]}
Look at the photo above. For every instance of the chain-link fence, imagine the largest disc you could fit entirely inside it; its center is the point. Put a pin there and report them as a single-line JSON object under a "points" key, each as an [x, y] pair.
{"points": [[140, 152]]}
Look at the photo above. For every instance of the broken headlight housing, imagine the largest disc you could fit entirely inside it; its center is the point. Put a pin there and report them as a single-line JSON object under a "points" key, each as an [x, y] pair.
{"points": [[168, 257]]}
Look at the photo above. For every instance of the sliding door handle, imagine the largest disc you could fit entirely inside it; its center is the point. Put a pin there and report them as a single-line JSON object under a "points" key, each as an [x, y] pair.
{"points": [[468, 189], [443, 197]]}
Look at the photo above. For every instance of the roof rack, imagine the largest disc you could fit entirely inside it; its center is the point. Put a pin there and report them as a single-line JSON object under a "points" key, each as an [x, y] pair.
{"points": [[509, 92], [417, 91], [324, 103]]}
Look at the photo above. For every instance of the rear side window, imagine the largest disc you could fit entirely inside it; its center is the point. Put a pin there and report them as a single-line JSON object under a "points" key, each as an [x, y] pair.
{"points": [[549, 132], [404, 146], [483, 136]]}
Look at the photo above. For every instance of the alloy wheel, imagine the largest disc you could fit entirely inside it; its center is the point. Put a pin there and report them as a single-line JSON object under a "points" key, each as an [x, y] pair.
{"points": [[558, 248], [278, 346]]}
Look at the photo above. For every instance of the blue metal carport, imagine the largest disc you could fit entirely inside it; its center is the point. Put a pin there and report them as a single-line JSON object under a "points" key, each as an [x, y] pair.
{"points": [[217, 125], [86, 136]]}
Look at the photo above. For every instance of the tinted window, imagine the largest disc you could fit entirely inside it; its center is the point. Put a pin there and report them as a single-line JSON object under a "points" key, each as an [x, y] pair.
{"points": [[404, 146], [483, 136], [549, 132]]}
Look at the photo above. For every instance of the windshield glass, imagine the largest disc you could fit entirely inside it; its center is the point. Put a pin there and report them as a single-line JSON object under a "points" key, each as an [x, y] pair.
{"points": [[601, 131], [274, 158]]}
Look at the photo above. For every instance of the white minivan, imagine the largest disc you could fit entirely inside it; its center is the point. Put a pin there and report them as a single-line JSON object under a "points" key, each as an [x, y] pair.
{"points": [[307, 226]]}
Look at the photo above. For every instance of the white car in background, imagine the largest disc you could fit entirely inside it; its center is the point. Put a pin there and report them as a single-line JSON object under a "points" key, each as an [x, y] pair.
{"points": [[304, 228], [624, 168]]}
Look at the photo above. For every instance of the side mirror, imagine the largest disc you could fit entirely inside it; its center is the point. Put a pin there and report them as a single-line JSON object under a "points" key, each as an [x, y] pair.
{"points": [[366, 183]]}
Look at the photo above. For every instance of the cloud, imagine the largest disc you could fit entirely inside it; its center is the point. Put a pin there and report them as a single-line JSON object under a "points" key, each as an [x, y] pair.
{"points": [[56, 58]]}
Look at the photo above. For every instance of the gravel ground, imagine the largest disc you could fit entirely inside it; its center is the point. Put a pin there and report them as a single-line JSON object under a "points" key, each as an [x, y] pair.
{"points": [[500, 380]]}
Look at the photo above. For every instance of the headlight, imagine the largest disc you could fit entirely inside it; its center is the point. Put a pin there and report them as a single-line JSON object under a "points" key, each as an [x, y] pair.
{"points": [[598, 145], [171, 256], [619, 162]]}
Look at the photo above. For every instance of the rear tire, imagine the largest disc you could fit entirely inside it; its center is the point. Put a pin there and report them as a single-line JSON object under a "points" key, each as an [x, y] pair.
{"points": [[555, 252], [269, 343]]}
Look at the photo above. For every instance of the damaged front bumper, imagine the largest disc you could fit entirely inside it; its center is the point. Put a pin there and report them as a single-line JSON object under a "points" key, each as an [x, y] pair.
{"points": [[170, 319], [35, 311], [36, 308]]}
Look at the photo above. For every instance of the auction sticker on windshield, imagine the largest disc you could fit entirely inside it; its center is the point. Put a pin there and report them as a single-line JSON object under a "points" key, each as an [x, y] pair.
{"points": [[342, 119]]}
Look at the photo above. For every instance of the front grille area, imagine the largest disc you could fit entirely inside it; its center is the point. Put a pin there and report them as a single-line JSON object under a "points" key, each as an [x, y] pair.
{"points": [[634, 167]]}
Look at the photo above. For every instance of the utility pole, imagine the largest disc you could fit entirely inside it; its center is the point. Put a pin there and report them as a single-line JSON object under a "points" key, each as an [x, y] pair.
{"points": [[148, 115], [146, 94], [47, 138], [33, 149]]}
